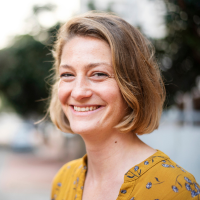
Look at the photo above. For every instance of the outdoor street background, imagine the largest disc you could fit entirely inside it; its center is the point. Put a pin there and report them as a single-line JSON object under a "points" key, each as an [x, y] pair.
{"points": [[31, 154]]}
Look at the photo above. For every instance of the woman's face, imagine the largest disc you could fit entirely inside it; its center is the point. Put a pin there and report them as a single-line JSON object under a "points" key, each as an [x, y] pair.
{"points": [[88, 91]]}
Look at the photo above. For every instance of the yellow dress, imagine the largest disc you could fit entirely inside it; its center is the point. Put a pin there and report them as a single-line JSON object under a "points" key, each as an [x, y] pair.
{"points": [[156, 178]]}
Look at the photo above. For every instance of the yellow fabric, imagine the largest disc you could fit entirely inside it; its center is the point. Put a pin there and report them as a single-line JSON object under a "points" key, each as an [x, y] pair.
{"points": [[157, 178]]}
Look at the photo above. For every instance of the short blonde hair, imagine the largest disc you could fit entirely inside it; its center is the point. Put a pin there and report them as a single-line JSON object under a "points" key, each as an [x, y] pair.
{"points": [[135, 70]]}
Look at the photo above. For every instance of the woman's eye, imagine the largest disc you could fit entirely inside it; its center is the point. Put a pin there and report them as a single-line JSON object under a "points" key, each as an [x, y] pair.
{"points": [[100, 74], [66, 75]]}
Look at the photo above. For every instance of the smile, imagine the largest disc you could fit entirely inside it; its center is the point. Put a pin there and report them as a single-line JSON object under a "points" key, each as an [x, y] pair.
{"points": [[85, 109]]}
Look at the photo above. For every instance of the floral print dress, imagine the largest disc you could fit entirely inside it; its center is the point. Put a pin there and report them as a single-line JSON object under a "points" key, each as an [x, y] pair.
{"points": [[156, 178]]}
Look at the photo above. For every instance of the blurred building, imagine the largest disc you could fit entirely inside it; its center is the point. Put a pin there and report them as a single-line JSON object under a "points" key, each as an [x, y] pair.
{"points": [[144, 14]]}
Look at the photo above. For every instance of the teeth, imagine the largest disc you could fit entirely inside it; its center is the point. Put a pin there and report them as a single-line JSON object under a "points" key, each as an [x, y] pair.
{"points": [[84, 109]]}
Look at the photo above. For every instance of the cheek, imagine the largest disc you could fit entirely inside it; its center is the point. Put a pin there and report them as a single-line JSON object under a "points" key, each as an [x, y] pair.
{"points": [[112, 94], [63, 93]]}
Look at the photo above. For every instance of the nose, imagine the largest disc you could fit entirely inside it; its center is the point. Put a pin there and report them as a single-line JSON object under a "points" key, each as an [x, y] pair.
{"points": [[81, 89]]}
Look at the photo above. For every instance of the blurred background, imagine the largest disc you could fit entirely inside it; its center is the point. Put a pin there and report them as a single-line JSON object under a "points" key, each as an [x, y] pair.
{"points": [[30, 155]]}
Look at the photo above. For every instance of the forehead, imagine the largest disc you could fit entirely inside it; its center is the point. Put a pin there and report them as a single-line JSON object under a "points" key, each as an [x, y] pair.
{"points": [[85, 49]]}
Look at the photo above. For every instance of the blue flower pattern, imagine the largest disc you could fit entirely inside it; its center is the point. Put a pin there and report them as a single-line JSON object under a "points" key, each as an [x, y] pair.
{"points": [[136, 168], [188, 180], [187, 186], [149, 185], [193, 193], [146, 162], [165, 165], [59, 184], [136, 172], [123, 191], [174, 188]]}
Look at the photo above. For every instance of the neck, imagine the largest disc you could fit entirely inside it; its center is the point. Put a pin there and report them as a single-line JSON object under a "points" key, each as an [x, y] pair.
{"points": [[114, 154]]}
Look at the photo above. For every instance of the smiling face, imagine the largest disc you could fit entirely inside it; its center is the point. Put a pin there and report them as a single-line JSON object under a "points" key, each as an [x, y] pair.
{"points": [[88, 91]]}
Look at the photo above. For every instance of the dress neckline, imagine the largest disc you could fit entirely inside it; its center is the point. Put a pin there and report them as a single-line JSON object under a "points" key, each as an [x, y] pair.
{"points": [[138, 170]]}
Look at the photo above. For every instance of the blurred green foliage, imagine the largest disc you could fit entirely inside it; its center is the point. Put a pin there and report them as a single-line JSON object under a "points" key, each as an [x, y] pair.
{"points": [[25, 65], [25, 72], [179, 51]]}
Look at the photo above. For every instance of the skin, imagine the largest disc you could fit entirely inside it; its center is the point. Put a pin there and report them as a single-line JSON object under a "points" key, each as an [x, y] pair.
{"points": [[86, 80]]}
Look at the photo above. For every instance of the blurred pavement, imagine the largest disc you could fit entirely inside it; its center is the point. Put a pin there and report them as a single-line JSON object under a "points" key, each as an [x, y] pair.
{"points": [[25, 176]]}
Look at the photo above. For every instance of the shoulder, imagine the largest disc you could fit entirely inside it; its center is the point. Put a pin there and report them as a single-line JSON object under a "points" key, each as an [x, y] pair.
{"points": [[158, 177], [172, 181]]}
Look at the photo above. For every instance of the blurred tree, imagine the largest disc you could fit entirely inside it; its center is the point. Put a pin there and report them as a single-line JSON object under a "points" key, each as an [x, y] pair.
{"points": [[24, 67], [91, 4], [179, 51]]}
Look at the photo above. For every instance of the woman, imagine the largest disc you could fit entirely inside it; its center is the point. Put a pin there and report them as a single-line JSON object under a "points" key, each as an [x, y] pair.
{"points": [[108, 89]]}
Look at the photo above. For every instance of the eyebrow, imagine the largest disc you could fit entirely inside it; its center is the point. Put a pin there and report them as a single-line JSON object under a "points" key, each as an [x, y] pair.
{"points": [[88, 66]]}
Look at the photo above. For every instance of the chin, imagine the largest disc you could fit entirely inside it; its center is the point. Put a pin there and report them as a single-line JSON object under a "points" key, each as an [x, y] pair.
{"points": [[84, 126], [82, 130]]}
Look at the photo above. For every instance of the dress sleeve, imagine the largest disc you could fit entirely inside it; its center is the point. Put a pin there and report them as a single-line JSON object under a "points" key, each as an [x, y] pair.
{"points": [[167, 181], [183, 187], [184, 195]]}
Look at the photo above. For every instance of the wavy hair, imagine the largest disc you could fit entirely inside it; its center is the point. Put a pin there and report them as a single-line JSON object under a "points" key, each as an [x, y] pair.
{"points": [[135, 69]]}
